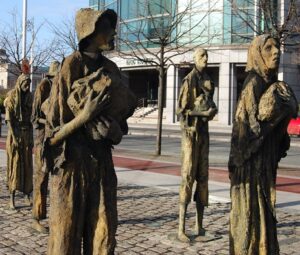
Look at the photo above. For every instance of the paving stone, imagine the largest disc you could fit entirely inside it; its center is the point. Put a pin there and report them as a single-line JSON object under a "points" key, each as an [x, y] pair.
{"points": [[147, 215]]}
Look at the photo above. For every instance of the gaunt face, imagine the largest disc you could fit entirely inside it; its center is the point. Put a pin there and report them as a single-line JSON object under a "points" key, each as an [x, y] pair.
{"points": [[271, 54], [25, 85], [200, 58], [104, 35]]}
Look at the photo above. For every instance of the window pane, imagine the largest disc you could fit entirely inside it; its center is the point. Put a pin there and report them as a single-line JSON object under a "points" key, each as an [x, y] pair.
{"points": [[107, 2], [183, 26], [182, 5], [112, 6], [215, 23], [216, 5], [199, 24], [155, 7], [199, 5], [216, 39]]}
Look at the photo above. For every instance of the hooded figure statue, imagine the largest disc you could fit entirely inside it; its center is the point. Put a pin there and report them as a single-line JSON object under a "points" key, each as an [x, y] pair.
{"points": [[19, 141], [38, 118], [84, 183], [259, 140]]}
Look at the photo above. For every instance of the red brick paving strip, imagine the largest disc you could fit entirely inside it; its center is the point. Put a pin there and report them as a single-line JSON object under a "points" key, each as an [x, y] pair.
{"points": [[283, 183]]}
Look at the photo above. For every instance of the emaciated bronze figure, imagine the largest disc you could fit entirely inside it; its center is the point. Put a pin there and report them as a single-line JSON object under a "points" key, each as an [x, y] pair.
{"points": [[84, 183], [19, 141], [196, 108], [41, 174], [259, 141]]}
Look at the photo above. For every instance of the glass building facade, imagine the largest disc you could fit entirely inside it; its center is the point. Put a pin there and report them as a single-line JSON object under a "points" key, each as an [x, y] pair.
{"points": [[104, 4], [210, 22], [141, 19], [224, 27]]}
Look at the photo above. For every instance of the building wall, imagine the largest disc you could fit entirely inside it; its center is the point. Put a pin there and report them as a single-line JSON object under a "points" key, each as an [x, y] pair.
{"points": [[3, 78], [228, 53], [8, 79], [289, 70]]}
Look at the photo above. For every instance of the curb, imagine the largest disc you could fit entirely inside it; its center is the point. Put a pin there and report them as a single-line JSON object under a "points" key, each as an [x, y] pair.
{"points": [[140, 133]]}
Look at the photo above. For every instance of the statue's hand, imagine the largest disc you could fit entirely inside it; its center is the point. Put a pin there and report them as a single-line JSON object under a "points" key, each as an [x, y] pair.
{"points": [[42, 121], [96, 105]]}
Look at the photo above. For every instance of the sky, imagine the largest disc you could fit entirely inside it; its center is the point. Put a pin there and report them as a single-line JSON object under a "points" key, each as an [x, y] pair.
{"points": [[53, 11]]}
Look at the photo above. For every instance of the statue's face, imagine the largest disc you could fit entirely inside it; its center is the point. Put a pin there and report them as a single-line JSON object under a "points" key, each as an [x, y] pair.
{"points": [[271, 53], [200, 59], [25, 85], [104, 35]]}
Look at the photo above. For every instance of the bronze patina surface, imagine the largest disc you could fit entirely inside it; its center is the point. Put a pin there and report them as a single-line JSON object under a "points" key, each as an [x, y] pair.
{"points": [[19, 143], [259, 140], [196, 108], [38, 119], [83, 212]]}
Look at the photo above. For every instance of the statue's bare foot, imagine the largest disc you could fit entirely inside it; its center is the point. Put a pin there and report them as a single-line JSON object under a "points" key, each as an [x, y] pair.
{"points": [[38, 227], [183, 237], [200, 232]]}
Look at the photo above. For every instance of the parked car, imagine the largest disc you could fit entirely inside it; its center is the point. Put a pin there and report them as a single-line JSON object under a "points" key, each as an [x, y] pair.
{"points": [[294, 127]]}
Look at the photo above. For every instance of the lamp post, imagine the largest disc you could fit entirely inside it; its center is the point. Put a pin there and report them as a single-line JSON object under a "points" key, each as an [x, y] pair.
{"points": [[30, 28], [24, 29]]}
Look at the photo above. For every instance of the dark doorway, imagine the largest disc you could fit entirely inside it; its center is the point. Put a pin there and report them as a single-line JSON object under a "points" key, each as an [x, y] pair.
{"points": [[144, 84], [240, 78]]}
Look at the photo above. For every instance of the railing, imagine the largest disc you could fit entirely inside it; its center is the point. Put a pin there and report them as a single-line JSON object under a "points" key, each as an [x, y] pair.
{"points": [[140, 107], [144, 108], [141, 102]]}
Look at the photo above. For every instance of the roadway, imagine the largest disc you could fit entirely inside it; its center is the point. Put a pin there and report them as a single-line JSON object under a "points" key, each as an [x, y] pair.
{"points": [[143, 140]]}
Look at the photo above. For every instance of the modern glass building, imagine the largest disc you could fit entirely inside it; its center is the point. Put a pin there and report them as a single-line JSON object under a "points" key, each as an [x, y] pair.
{"points": [[104, 4], [225, 31]]}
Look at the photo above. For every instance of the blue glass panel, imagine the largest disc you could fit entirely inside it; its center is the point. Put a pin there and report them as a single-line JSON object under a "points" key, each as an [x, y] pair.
{"points": [[227, 22], [215, 23]]}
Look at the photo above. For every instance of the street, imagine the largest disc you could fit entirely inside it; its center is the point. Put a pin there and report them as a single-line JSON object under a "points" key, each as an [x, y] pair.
{"points": [[143, 139]]}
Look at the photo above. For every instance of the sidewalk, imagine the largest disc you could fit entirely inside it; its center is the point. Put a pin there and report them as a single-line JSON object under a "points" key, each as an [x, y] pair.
{"points": [[147, 216], [213, 126], [148, 213]]}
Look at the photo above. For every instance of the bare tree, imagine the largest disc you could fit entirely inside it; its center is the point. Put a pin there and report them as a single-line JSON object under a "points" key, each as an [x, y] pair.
{"points": [[160, 33], [65, 36], [11, 43], [265, 16]]}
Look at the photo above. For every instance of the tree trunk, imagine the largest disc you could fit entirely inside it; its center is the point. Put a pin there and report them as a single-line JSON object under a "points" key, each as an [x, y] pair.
{"points": [[160, 109]]}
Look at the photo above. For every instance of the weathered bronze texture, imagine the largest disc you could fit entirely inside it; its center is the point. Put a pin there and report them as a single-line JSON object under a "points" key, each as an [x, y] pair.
{"points": [[196, 108], [19, 143], [41, 176], [83, 183], [259, 140]]}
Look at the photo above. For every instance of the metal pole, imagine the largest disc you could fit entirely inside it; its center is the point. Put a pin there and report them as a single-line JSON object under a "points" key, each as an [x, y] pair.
{"points": [[32, 54], [24, 29]]}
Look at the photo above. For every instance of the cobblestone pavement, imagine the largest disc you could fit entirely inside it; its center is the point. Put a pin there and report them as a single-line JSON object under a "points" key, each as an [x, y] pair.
{"points": [[147, 220]]}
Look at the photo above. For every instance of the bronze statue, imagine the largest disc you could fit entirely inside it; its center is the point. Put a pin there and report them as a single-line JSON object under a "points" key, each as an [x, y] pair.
{"points": [[78, 142], [38, 118], [259, 140], [19, 141], [196, 108]]}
